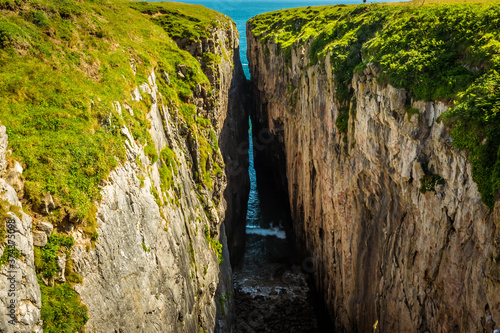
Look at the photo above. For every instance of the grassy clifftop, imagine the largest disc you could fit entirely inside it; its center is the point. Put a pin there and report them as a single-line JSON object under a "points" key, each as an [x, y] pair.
{"points": [[448, 52], [63, 65]]}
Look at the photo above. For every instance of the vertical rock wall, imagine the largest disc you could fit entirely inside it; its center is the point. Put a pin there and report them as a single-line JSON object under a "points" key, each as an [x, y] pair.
{"points": [[386, 255], [20, 298], [153, 268]]}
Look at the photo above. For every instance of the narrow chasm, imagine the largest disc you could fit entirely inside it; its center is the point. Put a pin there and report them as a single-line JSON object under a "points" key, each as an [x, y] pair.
{"points": [[272, 285]]}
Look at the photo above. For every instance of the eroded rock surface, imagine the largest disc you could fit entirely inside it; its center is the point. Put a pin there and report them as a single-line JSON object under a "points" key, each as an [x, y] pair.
{"points": [[20, 299], [384, 252]]}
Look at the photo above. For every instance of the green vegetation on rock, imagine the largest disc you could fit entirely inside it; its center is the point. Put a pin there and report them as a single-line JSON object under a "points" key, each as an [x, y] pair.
{"points": [[9, 252], [475, 121], [5, 208], [169, 167], [64, 65], [429, 180], [342, 120], [445, 52], [182, 20], [46, 257], [214, 244], [62, 310]]}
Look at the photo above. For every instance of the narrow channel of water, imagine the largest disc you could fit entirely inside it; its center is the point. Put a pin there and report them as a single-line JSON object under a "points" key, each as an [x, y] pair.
{"points": [[271, 291]]}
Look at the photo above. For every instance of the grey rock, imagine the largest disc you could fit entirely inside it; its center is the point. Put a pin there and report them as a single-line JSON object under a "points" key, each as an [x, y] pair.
{"points": [[145, 88], [117, 107], [18, 281], [18, 167], [45, 227], [15, 179], [133, 65], [182, 69], [47, 204], [166, 78], [129, 109], [39, 238], [3, 148], [61, 264], [8, 193], [136, 95]]}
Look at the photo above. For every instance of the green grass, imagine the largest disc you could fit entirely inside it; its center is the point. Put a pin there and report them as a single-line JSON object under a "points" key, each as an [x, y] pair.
{"points": [[445, 52], [214, 244], [8, 252], [145, 248], [62, 65], [182, 20], [168, 168], [62, 310], [46, 257]]}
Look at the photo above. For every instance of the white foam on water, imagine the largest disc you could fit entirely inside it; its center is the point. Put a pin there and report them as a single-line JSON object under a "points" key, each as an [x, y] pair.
{"points": [[276, 232]]}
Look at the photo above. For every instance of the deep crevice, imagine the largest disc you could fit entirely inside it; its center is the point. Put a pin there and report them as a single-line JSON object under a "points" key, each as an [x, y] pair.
{"points": [[272, 289]]}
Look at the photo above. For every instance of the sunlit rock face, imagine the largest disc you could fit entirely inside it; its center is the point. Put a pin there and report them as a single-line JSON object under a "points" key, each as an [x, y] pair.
{"points": [[386, 254], [20, 299]]}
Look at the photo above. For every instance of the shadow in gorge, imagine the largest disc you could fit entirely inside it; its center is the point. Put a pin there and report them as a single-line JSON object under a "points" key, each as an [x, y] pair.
{"points": [[272, 291]]}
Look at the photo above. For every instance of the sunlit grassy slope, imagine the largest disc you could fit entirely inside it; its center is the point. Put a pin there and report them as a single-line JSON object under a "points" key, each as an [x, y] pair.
{"points": [[63, 63], [437, 51]]}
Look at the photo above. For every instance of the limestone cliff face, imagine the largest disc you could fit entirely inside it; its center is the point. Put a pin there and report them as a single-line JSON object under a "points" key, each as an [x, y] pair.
{"points": [[153, 268], [231, 123], [20, 298], [384, 252]]}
